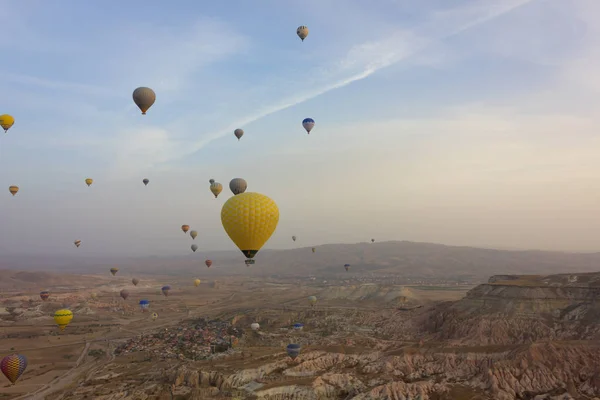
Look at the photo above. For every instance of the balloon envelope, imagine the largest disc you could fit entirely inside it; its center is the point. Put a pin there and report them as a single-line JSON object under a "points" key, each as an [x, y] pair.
{"points": [[194, 234], [114, 271], [302, 32], [208, 263], [124, 294], [146, 182], [63, 318], [293, 350], [216, 188], [194, 247], [254, 326], [308, 124], [238, 133], [238, 186], [135, 281], [6, 121], [249, 220], [144, 97], [44, 294], [197, 282], [13, 366], [13, 189], [185, 228]]}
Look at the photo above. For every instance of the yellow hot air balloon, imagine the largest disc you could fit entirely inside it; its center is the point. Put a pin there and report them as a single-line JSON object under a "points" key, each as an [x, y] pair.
{"points": [[215, 187], [63, 318], [197, 282], [89, 181], [13, 190], [154, 316], [193, 234], [249, 220], [6, 121]]}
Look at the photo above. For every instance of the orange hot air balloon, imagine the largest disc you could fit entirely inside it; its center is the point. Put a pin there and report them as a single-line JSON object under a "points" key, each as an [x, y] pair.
{"points": [[208, 263], [185, 228], [13, 189]]}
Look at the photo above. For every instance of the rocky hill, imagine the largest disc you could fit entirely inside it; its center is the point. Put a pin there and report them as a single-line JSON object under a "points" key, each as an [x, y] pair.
{"points": [[531, 337]]}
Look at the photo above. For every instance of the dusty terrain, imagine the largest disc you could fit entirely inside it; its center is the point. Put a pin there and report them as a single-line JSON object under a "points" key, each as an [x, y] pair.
{"points": [[513, 337]]}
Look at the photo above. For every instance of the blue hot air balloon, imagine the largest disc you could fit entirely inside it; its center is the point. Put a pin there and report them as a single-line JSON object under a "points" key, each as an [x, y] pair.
{"points": [[165, 289], [293, 350], [298, 326], [144, 304], [308, 124]]}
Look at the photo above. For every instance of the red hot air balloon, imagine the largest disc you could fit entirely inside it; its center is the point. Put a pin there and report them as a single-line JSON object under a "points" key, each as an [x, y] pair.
{"points": [[13, 366], [208, 263]]}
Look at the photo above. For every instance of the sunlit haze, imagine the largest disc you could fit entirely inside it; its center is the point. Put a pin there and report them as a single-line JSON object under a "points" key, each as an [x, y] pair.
{"points": [[467, 122]]}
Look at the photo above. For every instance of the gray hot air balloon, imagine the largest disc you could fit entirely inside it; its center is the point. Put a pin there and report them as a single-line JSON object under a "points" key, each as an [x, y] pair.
{"points": [[146, 181], [144, 97], [238, 186], [194, 247], [302, 32], [238, 133]]}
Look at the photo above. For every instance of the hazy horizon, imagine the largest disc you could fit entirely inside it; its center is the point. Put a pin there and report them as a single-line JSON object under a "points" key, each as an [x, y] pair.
{"points": [[470, 124]]}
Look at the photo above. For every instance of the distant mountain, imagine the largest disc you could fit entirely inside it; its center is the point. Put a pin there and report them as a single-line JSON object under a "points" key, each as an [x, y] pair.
{"points": [[408, 259]]}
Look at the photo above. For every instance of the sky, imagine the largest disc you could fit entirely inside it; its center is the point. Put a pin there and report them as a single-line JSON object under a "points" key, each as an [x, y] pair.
{"points": [[470, 122]]}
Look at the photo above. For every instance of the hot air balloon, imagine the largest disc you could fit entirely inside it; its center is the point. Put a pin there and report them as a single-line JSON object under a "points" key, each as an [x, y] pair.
{"points": [[44, 294], [144, 97], [89, 181], [208, 263], [238, 133], [77, 243], [346, 267], [215, 187], [308, 124], [124, 294], [254, 326], [194, 234], [63, 318], [154, 316], [197, 282], [238, 186], [249, 220], [145, 181], [312, 300], [194, 247], [13, 189], [6, 121], [302, 32], [114, 271], [293, 350], [185, 228], [294, 238], [372, 240], [135, 281], [298, 326], [144, 304], [13, 366], [313, 249], [165, 290], [94, 295]]}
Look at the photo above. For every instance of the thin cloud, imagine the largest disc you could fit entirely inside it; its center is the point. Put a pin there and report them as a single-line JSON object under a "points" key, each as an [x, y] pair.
{"points": [[371, 57]]}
